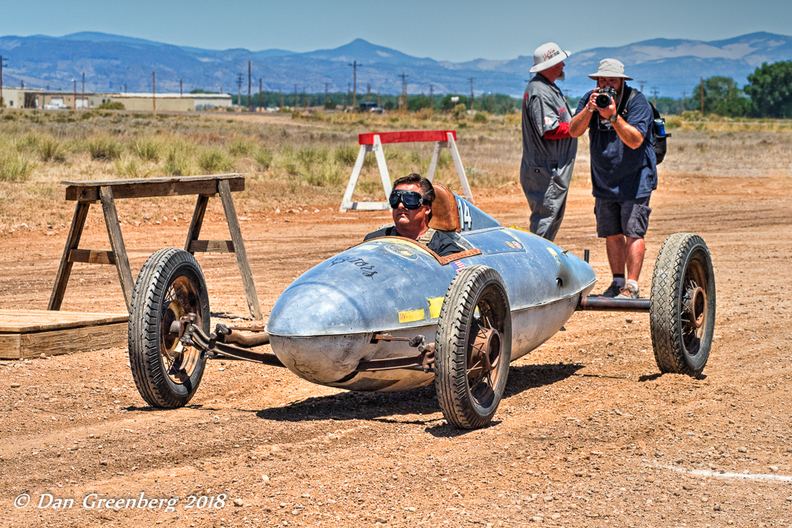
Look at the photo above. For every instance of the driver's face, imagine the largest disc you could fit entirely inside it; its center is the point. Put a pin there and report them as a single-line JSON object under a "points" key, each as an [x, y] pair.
{"points": [[411, 219]]}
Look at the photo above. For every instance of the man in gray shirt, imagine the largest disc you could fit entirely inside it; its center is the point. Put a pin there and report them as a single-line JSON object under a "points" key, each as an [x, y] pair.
{"points": [[548, 149]]}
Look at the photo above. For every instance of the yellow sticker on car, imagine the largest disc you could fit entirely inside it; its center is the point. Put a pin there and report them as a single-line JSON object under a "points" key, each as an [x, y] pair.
{"points": [[435, 303], [411, 316]]}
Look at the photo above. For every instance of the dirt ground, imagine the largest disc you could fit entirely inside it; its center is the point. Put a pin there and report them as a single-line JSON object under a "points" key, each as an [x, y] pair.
{"points": [[588, 434]]}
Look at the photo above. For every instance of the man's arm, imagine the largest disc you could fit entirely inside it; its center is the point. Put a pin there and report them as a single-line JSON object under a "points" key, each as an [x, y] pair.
{"points": [[581, 119], [629, 135]]}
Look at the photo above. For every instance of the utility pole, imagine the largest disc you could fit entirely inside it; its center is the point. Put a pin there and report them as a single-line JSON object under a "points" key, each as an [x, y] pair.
{"points": [[1, 81], [259, 94], [471, 95], [378, 98], [280, 93], [354, 65], [75, 93], [702, 97], [642, 83], [368, 93], [250, 101], [239, 91], [348, 92], [83, 89], [403, 102], [325, 99], [154, 92], [181, 93], [295, 97], [683, 101], [654, 93], [305, 100], [431, 98]]}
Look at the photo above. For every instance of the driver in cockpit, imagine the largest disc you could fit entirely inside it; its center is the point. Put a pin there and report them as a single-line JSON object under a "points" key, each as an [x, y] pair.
{"points": [[411, 206]]}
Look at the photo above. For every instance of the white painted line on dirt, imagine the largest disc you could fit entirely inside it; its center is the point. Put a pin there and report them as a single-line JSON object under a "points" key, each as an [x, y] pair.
{"points": [[747, 476]]}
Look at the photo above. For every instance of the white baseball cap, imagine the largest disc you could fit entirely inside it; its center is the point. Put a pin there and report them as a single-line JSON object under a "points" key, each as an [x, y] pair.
{"points": [[548, 55]]}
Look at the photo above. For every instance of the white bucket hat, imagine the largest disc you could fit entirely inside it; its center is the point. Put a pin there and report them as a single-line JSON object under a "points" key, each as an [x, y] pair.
{"points": [[548, 55], [610, 68]]}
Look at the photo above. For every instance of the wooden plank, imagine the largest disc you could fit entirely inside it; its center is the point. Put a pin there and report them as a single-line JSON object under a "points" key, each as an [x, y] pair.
{"points": [[196, 222], [22, 321], [55, 342], [239, 249], [117, 243], [150, 187], [211, 246], [64, 270], [92, 256]]}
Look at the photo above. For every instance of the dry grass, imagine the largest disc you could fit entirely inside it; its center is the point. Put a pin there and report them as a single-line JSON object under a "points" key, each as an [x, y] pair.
{"points": [[307, 158]]}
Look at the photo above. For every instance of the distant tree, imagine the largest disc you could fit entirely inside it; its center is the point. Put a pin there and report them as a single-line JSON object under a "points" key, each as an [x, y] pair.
{"points": [[330, 104], [722, 96], [200, 91], [770, 89]]}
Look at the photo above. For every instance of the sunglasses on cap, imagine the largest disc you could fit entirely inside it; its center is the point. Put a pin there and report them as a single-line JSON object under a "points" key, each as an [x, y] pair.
{"points": [[410, 199]]}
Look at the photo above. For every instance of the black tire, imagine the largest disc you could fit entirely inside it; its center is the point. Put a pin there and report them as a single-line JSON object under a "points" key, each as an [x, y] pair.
{"points": [[474, 329], [166, 372], [682, 307]]}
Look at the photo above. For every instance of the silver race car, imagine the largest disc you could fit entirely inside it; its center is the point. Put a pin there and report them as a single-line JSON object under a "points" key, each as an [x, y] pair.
{"points": [[389, 314]]}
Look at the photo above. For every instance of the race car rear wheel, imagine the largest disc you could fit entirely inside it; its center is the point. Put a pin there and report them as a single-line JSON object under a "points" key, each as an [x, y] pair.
{"points": [[170, 285], [473, 347], [682, 307]]}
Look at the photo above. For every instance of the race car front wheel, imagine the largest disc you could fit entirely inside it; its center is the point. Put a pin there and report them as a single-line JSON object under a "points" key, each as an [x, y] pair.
{"points": [[170, 285], [473, 347]]}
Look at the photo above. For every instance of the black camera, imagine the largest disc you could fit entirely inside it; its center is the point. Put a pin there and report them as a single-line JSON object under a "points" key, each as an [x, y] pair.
{"points": [[603, 100]]}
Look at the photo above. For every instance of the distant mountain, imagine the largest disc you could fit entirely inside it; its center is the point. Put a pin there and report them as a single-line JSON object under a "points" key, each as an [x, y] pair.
{"points": [[110, 62]]}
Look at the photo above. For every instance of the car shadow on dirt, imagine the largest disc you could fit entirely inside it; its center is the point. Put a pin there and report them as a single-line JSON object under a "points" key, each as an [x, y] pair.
{"points": [[404, 406]]}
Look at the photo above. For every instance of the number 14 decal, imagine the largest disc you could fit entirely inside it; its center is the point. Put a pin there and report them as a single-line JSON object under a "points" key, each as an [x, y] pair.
{"points": [[465, 219]]}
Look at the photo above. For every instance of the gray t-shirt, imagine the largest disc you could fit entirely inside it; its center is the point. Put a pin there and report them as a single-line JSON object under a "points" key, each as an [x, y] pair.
{"points": [[544, 108]]}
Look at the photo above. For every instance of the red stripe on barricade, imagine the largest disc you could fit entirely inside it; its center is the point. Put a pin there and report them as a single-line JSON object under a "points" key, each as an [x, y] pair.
{"points": [[407, 137]]}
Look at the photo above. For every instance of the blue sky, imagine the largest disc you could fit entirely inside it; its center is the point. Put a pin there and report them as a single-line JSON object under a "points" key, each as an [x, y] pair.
{"points": [[456, 31]]}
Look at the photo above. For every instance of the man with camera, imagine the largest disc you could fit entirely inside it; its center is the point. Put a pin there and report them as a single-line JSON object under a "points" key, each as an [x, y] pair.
{"points": [[623, 170], [548, 150]]}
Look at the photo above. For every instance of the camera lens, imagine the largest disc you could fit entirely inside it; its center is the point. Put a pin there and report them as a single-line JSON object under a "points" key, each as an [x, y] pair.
{"points": [[603, 100]]}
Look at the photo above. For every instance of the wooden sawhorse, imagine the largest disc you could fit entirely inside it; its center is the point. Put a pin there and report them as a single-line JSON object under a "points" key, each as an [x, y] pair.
{"points": [[87, 192]]}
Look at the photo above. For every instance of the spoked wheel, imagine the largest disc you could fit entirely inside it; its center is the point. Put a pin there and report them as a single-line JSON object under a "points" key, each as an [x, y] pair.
{"points": [[170, 285], [473, 347], [682, 309]]}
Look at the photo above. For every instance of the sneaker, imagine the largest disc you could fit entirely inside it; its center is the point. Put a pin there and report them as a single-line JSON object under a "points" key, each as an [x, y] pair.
{"points": [[628, 292], [612, 291]]}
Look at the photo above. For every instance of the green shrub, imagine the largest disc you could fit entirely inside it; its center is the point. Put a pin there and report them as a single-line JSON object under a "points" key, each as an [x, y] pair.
{"points": [[104, 148], [112, 105], [214, 161], [346, 155], [324, 174], [130, 167], [148, 149], [15, 167], [241, 147], [263, 157], [459, 111], [178, 160], [50, 149], [479, 118]]}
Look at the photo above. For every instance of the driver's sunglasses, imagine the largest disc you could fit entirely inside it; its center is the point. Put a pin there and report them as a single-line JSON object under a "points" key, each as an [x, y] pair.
{"points": [[410, 199]]}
